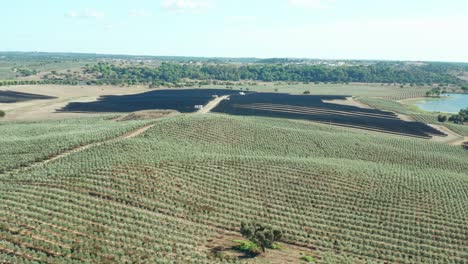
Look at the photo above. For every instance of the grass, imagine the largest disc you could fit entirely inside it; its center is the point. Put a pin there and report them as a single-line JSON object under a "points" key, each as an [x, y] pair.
{"points": [[160, 197], [308, 259], [247, 247]]}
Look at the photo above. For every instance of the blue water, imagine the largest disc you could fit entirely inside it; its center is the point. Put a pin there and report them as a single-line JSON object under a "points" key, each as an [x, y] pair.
{"points": [[449, 103]]}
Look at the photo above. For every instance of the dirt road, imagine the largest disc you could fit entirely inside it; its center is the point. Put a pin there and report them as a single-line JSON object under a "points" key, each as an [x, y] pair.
{"points": [[452, 138], [349, 101], [211, 105]]}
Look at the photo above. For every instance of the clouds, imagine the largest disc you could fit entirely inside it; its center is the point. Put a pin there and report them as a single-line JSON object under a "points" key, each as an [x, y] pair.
{"points": [[87, 13], [188, 5], [311, 4]]}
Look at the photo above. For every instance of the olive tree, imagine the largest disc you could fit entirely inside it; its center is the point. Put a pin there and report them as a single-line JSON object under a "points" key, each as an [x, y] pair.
{"points": [[262, 235]]}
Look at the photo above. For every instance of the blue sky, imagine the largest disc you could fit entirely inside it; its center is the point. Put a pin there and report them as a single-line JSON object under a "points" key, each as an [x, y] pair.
{"points": [[327, 29]]}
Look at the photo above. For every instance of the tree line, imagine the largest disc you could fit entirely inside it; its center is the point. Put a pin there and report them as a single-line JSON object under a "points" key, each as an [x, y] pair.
{"points": [[173, 72], [460, 118]]}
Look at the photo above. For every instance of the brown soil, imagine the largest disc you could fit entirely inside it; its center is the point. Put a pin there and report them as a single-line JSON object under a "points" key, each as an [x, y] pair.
{"points": [[452, 138], [350, 101], [405, 117], [147, 114], [223, 246]]}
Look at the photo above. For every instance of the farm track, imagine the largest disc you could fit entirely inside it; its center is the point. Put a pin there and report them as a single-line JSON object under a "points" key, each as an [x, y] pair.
{"points": [[131, 134], [212, 104], [452, 138], [128, 135]]}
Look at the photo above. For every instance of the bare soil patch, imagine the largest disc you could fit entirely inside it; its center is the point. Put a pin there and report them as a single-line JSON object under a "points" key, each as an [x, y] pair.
{"points": [[405, 117], [222, 246], [147, 114], [452, 138], [349, 101]]}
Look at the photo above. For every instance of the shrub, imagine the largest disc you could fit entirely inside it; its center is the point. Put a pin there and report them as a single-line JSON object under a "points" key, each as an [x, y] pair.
{"points": [[2, 113], [308, 259], [442, 118], [457, 119], [306, 92], [247, 247]]}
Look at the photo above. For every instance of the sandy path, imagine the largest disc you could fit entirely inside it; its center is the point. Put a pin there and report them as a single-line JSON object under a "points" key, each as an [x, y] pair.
{"points": [[212, 104], [349, 101], [403, 117], [452, 138]]}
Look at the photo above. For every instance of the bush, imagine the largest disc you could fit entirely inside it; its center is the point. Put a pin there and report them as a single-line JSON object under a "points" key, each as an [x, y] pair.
{"points": [[262, 235], [442, 118], [457, 119], [247, 247], [2, 113], [306, 92], [308, 259]]}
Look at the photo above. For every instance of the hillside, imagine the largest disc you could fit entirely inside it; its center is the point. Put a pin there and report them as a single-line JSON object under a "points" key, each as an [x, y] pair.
{"points": [[182, 188]]}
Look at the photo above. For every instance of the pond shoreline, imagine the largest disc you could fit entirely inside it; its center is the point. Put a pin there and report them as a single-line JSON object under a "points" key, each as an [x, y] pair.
{"points": [[431, 104]]}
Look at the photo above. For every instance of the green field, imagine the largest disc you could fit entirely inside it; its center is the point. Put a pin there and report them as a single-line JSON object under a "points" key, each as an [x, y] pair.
{"points": [[162, 197], [26, 142]]}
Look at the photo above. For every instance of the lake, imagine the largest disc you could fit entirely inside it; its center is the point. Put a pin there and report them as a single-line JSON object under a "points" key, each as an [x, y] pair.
{"points": [[449, 103]]}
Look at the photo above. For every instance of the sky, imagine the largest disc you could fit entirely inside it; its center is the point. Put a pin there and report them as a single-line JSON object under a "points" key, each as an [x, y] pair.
{"points": [[419, 30]]}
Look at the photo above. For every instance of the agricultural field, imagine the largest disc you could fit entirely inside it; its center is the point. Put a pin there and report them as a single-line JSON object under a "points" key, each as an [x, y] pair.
{"points": [[181, 189], [315, 109], [167, 185], [24, 143]]}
